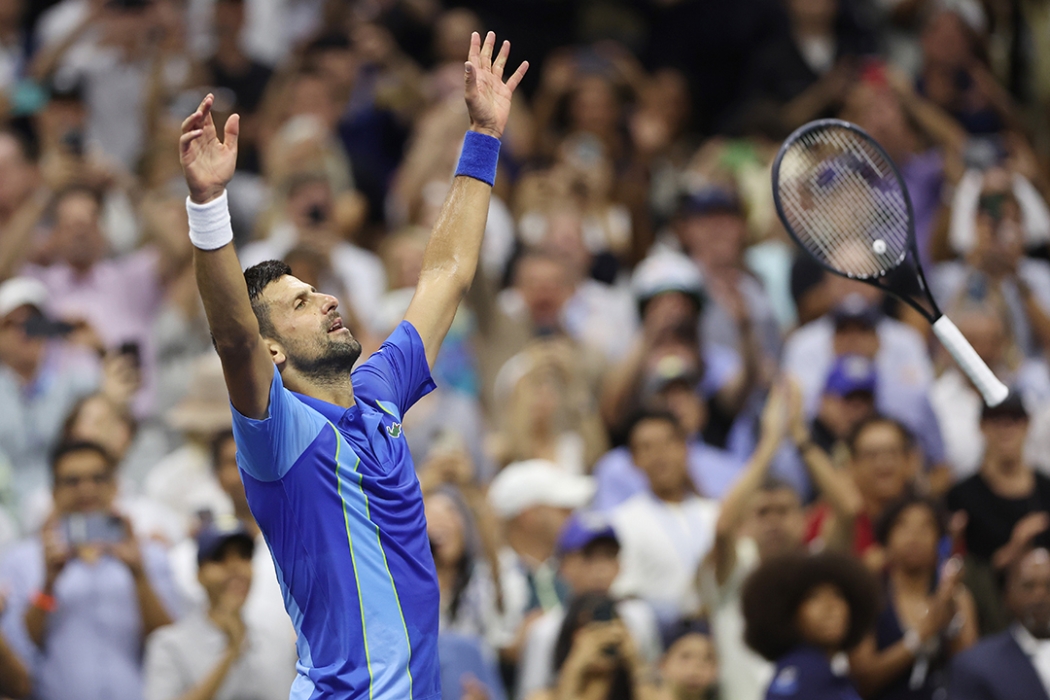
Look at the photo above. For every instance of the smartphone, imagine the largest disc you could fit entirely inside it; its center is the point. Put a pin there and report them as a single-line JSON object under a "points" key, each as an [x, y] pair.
{"points": [[40, 326], [92, 528], [605, 611], [132, 350]]}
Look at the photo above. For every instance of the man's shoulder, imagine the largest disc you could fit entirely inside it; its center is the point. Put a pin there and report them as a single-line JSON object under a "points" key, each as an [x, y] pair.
{"points": [[987, 653]]}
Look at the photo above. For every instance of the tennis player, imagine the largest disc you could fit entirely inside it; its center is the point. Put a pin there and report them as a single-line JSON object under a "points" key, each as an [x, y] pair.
{"points": [[325, 465]]}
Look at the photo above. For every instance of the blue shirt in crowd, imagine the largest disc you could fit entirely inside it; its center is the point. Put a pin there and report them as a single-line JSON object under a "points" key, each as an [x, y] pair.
{"points": [[335, 493], [806, 673]]}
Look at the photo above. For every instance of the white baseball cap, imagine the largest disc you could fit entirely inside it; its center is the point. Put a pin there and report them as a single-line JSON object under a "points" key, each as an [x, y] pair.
{"points": [[22, 291], [666, 271], [537, 482]]}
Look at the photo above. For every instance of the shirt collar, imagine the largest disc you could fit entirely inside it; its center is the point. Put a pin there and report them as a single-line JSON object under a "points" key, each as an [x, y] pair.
{"points": [[1029, 644]]}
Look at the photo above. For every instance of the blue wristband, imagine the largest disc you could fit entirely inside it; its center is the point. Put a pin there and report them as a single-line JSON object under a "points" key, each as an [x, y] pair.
{"points": [[479, 156]]}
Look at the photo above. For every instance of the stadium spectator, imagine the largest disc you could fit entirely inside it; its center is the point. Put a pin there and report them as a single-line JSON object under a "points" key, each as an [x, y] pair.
{"points": [[218, 653], [689, 667], [85, 593], [1010, 664], [588, 561], [801, 612], [928, 616]]}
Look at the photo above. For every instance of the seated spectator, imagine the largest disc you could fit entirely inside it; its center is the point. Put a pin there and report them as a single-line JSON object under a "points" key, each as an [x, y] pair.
{"points": [[928, 616], [883, 465], [801, 612], [1010, 664], [994, 267], [595, 656], [958, 405], [762, 518], [666, 530], [533, 499], [264, 608], [589, 561], [689, 667], [218, 653], [83, 597]]}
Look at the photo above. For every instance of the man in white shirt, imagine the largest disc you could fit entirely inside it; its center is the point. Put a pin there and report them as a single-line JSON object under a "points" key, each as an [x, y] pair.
{"points": [[664, 532], [588, 553]]}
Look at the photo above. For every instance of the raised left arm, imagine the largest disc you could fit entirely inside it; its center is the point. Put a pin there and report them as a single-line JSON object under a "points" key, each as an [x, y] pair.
{"points": [[451, 256]]}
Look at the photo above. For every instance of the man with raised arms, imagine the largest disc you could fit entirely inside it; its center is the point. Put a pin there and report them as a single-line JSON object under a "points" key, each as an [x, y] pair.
{"points": [[326, 469]]}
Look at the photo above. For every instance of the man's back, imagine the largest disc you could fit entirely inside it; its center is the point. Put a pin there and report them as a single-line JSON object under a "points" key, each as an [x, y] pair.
{"points": [[335, 493]]}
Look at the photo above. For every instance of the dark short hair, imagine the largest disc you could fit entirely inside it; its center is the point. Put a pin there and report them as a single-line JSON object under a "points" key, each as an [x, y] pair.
{"points": [[885, 524], [64, 449], [774, 592], [652, 414], [216, 446], [259, 277], [905, 433]]}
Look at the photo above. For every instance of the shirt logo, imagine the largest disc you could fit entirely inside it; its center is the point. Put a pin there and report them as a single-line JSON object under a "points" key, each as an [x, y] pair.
{"points": [[394, 430]]}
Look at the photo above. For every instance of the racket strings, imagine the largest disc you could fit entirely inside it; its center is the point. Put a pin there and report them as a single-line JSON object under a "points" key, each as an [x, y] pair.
{"points": [[844, 202]]}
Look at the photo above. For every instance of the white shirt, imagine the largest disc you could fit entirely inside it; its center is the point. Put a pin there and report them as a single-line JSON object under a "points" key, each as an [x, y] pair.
{"points": [[1038, 650], [184, 481], [536, 670], [743, 674], [661, 546]]}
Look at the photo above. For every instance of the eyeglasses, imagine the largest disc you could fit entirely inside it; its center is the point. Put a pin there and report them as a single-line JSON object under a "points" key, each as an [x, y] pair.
{"points": [[71, 482]]}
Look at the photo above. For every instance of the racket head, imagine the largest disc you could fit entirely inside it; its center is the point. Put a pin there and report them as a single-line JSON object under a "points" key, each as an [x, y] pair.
{"points": [[843, 200]]}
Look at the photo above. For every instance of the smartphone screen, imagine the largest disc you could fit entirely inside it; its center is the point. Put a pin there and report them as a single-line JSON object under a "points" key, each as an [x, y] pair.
{"points": [[92, 528]]}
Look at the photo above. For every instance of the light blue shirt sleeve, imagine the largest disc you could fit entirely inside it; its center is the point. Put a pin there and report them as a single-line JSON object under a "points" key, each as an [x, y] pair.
{"points": [[267, 448], [396, 374]]}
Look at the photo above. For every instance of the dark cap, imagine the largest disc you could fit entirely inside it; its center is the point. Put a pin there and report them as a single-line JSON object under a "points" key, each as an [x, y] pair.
{"points": [[214, 536], [711, 199], [851, 374], [676, 629], [581, 529], [1012, 407], [855, 310]]}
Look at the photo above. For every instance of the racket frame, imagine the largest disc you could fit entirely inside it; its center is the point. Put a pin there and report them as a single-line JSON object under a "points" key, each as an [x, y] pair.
{"points": [[913, 247]]}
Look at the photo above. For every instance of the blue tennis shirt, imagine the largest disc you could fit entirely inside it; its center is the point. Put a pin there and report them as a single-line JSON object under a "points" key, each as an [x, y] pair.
{"points": [[335, 493]]}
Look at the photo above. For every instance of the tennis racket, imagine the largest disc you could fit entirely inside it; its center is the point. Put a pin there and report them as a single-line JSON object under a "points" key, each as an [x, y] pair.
{"points": [[845, 203]]}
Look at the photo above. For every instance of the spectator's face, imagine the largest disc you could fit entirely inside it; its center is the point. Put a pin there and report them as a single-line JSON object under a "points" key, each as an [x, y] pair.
{"points": [[881, 463], [16, 174], [77, 233], [227, 473], [823, 617], [61, 118], [545, 288], [945, 40], [593, 568], [878, 110], [660, 451], [1004, 437], [228, 578], [544, 522], [311, 96], [564, 239], [18, 350], [310, 205], [777, 522], [10, 12], [229, 18], [446, 530], [716, 240], [913, 540], [98, 421], [594, 107], [684, 401], [856, 339], [986, 334], [84, 483], [1028, 593], [310, 335], [669, 310], [844, 413], [452, 33], [690, 666]]}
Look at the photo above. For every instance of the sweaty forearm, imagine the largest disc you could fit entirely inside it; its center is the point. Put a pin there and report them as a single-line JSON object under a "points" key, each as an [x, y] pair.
{"points": [[455, 242]]}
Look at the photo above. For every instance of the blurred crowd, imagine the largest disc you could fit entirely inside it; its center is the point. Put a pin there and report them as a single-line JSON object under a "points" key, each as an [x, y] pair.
{"points": [[668, 458]]}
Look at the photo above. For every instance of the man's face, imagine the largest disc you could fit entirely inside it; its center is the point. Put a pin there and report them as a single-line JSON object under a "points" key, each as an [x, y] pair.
{"points": [[545, 522], [844, 413], [229, 575], [882, 464], [715, 239], [777, 523], [1028, 593], [684, 401], [691, 665], [593, 568], [661, 452], [84, 483], [310, 335], [545, 288], [227, 473], [17, 349], [1004, 437], [77, 232], [856, 339]]}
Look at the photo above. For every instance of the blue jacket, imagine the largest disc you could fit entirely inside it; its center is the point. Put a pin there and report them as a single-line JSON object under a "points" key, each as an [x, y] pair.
{"points": [[805, 673], [996, 668]]}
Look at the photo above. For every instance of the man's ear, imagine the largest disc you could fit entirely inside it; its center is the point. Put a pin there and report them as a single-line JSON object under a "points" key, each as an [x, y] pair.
{"points": [[276, 351]]}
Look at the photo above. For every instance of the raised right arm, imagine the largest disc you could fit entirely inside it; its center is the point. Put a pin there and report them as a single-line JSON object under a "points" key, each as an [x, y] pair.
{"points": [[208, 165]]}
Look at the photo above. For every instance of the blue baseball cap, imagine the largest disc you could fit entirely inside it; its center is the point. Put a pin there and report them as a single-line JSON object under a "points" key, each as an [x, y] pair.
{"points": [[581, 529], [851, 374], [711, 199], [213, 537]]}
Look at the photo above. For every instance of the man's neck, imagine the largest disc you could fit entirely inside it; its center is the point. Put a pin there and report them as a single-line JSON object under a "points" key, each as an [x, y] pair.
{"points": [[1008, 477], [673, 495], [916, 582], [340, 393], [531, 549]]}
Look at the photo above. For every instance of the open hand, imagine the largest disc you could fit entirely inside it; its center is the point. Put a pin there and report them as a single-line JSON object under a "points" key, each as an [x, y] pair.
{"points": [[207, 162], [488, 97]]}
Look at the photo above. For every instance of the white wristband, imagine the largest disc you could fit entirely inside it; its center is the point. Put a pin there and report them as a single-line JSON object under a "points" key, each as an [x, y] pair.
{"points": [[210, 227]]}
